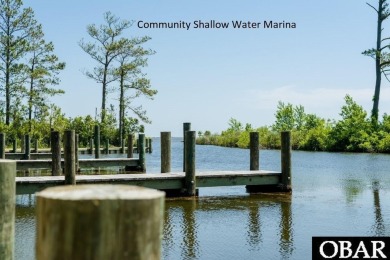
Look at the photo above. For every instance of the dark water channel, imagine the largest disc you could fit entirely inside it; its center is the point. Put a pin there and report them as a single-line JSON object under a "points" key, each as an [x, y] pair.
{"points": [[334, 194]]}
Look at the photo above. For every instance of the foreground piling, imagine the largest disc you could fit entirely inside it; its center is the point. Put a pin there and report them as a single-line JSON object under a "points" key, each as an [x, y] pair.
{"points": [[69, 157], [190, 180], [55, 142], [100, 222], [165, 152], [7, 206]]}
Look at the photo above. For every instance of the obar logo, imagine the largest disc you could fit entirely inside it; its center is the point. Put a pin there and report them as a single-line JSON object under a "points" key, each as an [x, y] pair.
{"points": [[351, 248]]}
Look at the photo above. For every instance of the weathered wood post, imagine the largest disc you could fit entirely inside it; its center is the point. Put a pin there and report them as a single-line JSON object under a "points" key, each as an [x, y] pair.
{"points": [[14, 145], [7, 206], [97, 141], [2, 145], [22, 144], [130, 142], [55, 143], [150, 145], [69, 157], [123, 146], [186, 127], [76, 151], [27, 151], [141, 152], [91, 215], [190, 180], [254, 151], [286, 160], [147, 144], [91, 146], [107, 146], [165, 152], [36, 145]]}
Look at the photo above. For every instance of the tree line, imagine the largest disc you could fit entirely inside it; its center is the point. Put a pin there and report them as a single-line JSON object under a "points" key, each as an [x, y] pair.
{"points": [[354, 132], [29, 76]]}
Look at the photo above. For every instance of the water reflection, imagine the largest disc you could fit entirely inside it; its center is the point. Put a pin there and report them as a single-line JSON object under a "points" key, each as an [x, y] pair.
{"points": [[190, 245], [183, 235], [286, 230], [254, 237], [379, 227]]}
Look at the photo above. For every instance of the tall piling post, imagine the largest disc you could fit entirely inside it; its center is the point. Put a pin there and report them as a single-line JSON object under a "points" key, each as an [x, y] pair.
{"points": [[36, 145], [7, 206], [2, 145], [97, 141], [55, 143], [130, 141], [14, 145], [190, 180], [254, 151], [27, 150], [123, 146], [286, 160], [186, 127], [141, 152], [94, 234], [107, 146], [91, 146], [69, 157], [76, 151], [165, 152], [150, 144]]}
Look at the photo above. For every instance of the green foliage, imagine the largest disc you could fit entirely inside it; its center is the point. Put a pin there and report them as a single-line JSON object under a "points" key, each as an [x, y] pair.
{"points": [[353, 132]]}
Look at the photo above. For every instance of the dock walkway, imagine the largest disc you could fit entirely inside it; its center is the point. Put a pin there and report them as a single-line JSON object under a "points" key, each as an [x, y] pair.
{"points": [[161, 181]]}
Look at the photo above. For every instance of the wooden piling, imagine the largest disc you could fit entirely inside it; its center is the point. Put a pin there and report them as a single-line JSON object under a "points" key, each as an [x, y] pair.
{"points": [[186, 127], [190, 180], [286, 160], [150, 145], [35, 145], [100, 222], [91, 146], [2, 145], [27, 151], [14, 145], [141, 152], [130, 142], [123, 146], [76, 152], [55, 142], [7, 206], [165, 152], [69, 157], [97, 141], [107, 146], [254, 151]]}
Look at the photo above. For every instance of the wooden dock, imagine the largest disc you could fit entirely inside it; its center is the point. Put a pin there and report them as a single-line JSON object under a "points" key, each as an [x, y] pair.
{"points": [[83, 163], [169, 182]]}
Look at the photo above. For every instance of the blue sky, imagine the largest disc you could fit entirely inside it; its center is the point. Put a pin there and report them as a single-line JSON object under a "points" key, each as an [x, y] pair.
{"points": [[206, 76]]}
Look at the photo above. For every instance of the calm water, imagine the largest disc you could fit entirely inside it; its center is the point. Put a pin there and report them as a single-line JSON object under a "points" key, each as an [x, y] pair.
{"points": [[333, 195]]}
